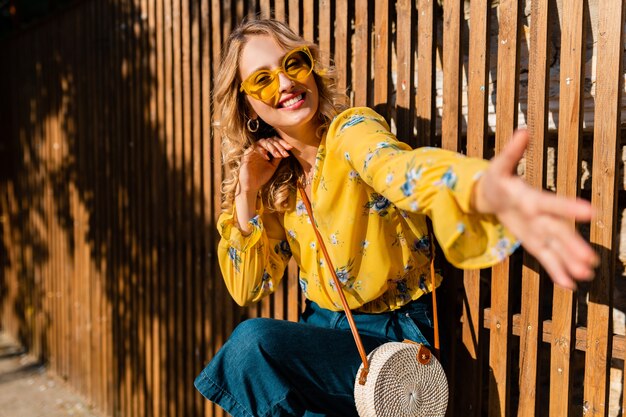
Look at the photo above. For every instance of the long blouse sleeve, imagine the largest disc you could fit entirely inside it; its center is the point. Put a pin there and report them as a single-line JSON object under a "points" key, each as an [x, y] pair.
{"points": [[429, 181], [252, 265]]}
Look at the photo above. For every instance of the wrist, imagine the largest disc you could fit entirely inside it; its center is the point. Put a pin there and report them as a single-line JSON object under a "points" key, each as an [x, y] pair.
{"points": [[477, 201], [244, 188]]}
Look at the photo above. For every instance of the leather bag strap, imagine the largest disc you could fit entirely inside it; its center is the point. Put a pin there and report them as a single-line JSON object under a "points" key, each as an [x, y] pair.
{"points": [[344, 303]]}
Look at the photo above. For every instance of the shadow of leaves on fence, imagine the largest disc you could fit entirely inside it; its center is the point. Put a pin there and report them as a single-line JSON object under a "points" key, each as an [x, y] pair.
{"points": [[109, 181]]}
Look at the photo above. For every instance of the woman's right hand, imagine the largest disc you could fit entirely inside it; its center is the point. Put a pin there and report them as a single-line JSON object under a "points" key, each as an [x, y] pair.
{"points": [[258, 164], [260, 161]]}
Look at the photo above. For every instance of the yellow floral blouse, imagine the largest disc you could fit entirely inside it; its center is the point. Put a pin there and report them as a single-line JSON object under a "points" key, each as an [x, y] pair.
{"points": [[370, 195]]}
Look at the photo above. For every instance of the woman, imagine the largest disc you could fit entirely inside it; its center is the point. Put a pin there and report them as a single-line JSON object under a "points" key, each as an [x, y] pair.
{"points": [[283, 122]]}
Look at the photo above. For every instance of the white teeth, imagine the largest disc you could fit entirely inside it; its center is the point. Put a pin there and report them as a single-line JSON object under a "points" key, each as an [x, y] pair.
{"points": [[292, 101]]}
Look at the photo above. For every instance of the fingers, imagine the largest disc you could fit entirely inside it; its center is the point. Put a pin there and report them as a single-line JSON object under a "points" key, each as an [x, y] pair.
{"points": [[555, 269], [568, 208], [506, 161], [562, 252], [277, 147], [577, 257]]}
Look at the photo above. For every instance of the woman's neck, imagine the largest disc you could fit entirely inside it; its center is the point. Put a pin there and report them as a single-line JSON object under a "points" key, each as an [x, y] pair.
{"points": [[305, 143]]}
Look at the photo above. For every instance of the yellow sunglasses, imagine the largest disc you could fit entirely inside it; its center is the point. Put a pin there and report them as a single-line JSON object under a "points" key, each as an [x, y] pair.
{"points": [[265, 84]]}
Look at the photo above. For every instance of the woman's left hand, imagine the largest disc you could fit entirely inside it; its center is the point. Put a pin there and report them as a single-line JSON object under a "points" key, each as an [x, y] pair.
{"points": [[541, 220]]}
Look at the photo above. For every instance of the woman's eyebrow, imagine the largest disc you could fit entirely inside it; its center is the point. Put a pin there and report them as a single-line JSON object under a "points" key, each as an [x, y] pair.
{"points": [[267, 67]]}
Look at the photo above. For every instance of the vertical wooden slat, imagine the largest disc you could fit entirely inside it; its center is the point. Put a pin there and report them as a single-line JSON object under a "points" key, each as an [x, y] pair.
{"points": [[506, 114], [158, 321], [99, 266], [293, 291], [146, 275], [126, 290], [380, 47], [450, 127], [70, 131], [133, 202], [218, 300], [570, 123], [103, 61], [606, 144], [125, 276], [468, 399], [360, 78], [294, 15], [308, 20], [266, 307], [404, 87], [187, 207], [61, 292], [176, 169], [425, 91], [537, 128], [59, 277], [143, 212], [84, 277], [341, 56], [325, 29], [279, 10], [93, 163], [199, 280], [85, 182], [110, 381], [117, 282], [209, 229], [265, 9], [169, 405]]}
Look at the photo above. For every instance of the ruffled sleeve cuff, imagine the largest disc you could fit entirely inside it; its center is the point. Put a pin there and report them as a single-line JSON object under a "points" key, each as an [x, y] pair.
{"points": [[230, 232], [469, 240]]}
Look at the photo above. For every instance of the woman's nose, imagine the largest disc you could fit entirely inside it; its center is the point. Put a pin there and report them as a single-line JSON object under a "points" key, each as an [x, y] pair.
{"points": [[285, 82]]}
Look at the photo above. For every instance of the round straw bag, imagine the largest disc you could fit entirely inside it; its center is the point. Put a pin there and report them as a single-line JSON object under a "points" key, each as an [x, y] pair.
{"points": [[397, 379], [404, 380]]}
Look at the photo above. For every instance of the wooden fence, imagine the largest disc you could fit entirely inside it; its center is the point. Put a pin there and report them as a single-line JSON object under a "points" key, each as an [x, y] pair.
{"points": [[110, 175]]}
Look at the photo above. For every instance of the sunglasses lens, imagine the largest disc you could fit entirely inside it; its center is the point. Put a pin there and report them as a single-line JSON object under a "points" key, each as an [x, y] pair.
{"points": [[298, 65], [261, 85]]}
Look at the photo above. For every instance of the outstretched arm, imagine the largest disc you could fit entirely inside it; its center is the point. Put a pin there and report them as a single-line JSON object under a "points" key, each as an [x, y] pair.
{"points": [[541, 220]]}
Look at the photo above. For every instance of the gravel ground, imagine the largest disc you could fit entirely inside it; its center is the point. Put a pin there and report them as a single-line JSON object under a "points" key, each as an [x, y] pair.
{"points": [[28, 390]]}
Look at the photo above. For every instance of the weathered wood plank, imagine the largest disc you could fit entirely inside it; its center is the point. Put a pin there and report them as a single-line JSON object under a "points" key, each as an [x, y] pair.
{"points": [[325, 29], [159, 328], [294, 15], [468, 399], [531, 283], [571, 85], [218, 300], [196, 299], [404, 83], [186, 198], [342, 45], [208, 34], [606, 143], [308, 20], [360, 77], [425, 91], [508, 76], [450, 130], [381, 57]]}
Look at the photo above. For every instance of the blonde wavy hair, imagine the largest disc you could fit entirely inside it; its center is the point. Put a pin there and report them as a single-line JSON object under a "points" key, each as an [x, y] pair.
{"points": [[232, 110]]}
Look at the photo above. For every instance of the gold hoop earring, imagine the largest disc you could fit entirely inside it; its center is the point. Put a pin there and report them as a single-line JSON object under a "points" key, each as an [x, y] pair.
{"points": [[253, 125]]}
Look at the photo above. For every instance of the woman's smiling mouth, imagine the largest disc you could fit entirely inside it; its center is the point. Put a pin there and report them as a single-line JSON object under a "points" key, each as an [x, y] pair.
{"points": [[293, 102]]}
